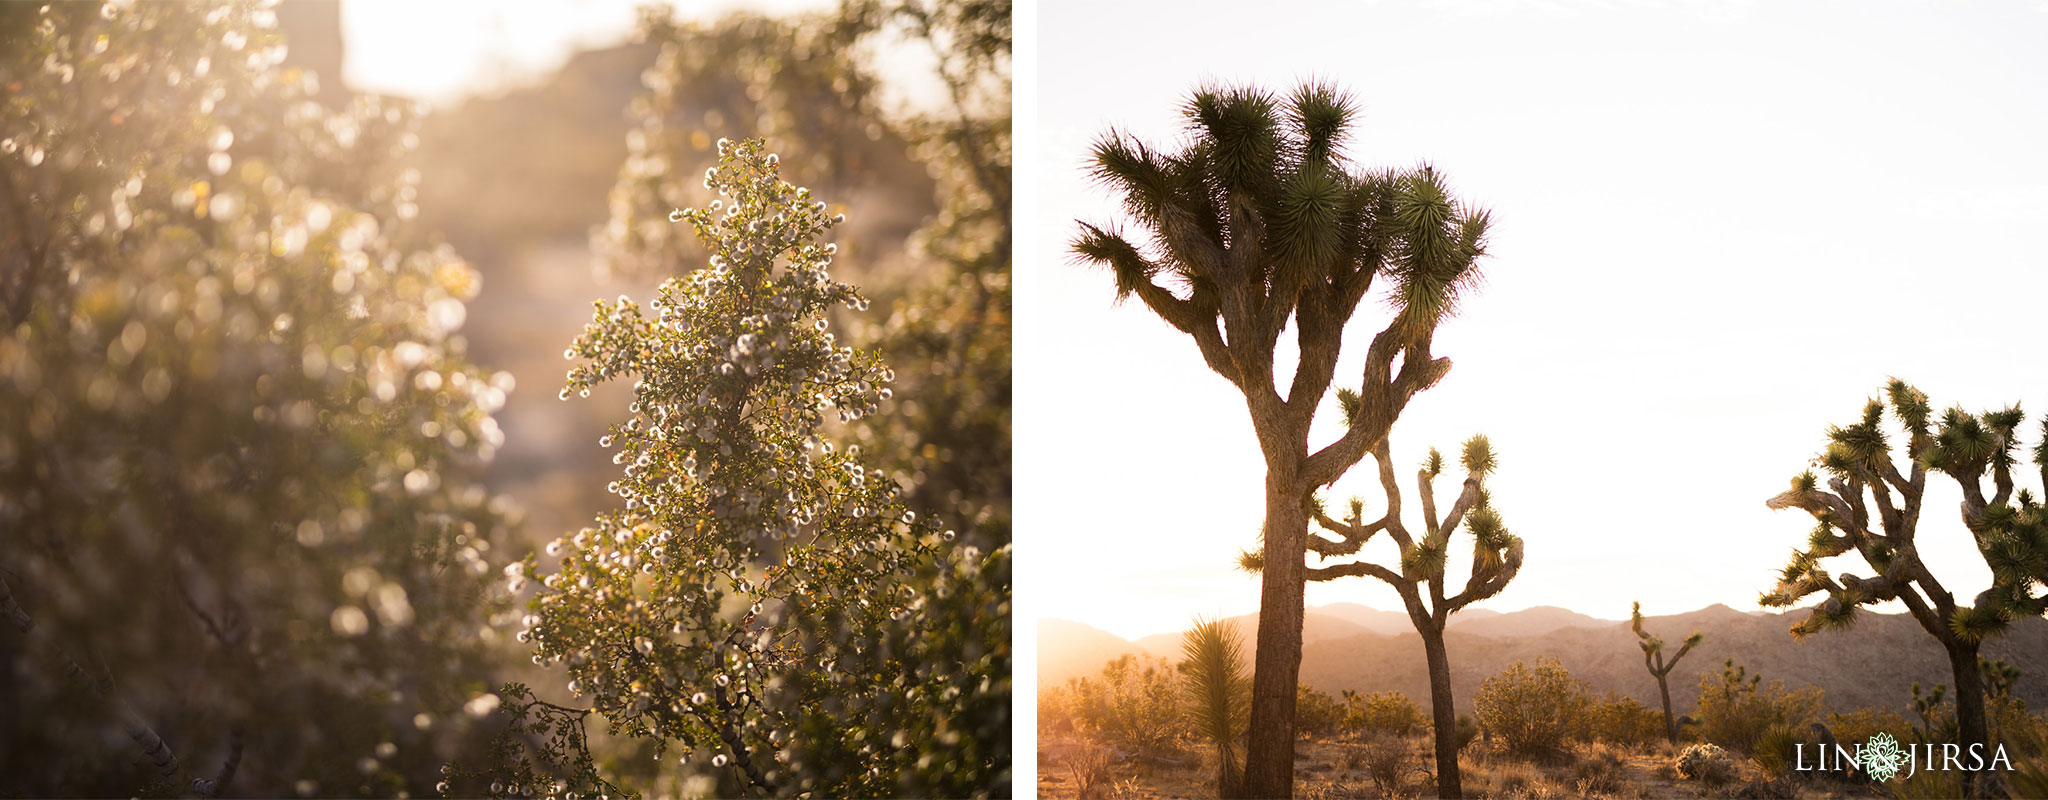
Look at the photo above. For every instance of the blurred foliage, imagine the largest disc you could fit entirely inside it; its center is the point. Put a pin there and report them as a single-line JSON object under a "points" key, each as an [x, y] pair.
{"points": [[1737, 708], [765, 602], [1382, 712], [239, 532], [1533, 710], [950, 441], [800, 81], [1133, 705]]}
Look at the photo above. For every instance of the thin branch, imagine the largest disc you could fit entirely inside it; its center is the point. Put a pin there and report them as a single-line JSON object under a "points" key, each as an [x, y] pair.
{"points": [[153, 746], [731, 736]]}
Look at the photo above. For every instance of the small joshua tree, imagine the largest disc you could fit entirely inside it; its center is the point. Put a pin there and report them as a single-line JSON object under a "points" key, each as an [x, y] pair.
{"points": [[1653, 660], [764, 601], [1259, 226], [1496, 557], [1872, 508]]}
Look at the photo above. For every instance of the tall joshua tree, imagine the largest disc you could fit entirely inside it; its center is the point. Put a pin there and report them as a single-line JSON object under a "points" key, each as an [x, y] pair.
{"points": [[1256, 223], [1496, 557], [2010, 530], [1653, 660]]}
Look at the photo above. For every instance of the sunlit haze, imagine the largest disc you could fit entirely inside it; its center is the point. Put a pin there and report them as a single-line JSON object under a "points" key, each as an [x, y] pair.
{"points": [[442, 51], [1718, 229]]}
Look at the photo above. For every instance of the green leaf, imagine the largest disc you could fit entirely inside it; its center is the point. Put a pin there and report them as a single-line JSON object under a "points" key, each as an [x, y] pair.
{"points": [[1478, 458]]}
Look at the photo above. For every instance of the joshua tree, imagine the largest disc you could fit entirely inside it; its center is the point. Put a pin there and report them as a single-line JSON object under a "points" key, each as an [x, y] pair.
{"points": [[1496, 557], [2009, 529], [1256, 225], [1213, 682], [1653, 660]]}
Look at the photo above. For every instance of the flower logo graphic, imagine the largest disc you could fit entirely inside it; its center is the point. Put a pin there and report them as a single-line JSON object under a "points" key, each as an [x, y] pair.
{"points": [[1882, 757]]}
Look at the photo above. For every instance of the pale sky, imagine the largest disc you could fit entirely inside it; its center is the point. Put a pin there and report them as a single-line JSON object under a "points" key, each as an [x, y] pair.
{"points": [[1719, 227]]}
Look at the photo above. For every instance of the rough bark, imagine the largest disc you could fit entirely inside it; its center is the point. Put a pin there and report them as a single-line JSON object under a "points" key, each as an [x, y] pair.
{"points": [[1970, 724], [1443, 713], [1276, 666], [1670, 722]]}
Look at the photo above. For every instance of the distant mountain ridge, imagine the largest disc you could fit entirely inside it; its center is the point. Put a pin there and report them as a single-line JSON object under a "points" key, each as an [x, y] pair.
{"points": [[1349, 646]]}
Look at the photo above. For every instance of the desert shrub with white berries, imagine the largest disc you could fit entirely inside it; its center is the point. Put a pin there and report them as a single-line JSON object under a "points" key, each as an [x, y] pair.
{"points": [[763, 601]]}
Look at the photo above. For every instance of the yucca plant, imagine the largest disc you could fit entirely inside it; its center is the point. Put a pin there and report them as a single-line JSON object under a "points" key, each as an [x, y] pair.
{"points": [[1654, 661], [1872, 508], [1217, 694], [1419, 577], [1259, 224]]}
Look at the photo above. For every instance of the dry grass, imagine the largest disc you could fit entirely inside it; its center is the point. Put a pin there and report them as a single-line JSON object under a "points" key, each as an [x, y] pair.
{"points": [[1404, 767]]}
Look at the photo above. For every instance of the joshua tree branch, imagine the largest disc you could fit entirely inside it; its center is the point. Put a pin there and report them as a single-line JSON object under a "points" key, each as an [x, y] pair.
{"points": [[1889, 515], [1384, 403], [1475, 592], [1355, 535], [1690, 642], [1923, 614], [1467, 499], [1319, 337], [1188, 317], [153, 746], [1382, 454], [1353, 569], [1823, 506], [1425, 491]]}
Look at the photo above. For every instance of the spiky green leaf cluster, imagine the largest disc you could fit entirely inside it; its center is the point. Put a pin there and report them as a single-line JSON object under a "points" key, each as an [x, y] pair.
{"points": [[1426, 559], [1431, 265], [1478, 457], [1349, 405], [1264, 175]]}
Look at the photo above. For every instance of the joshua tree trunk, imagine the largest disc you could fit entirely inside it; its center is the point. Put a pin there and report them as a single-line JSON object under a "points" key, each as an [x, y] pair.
{"points": [[1969, 694], [1276, 666], [1670, 722], [1443, 714]]}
